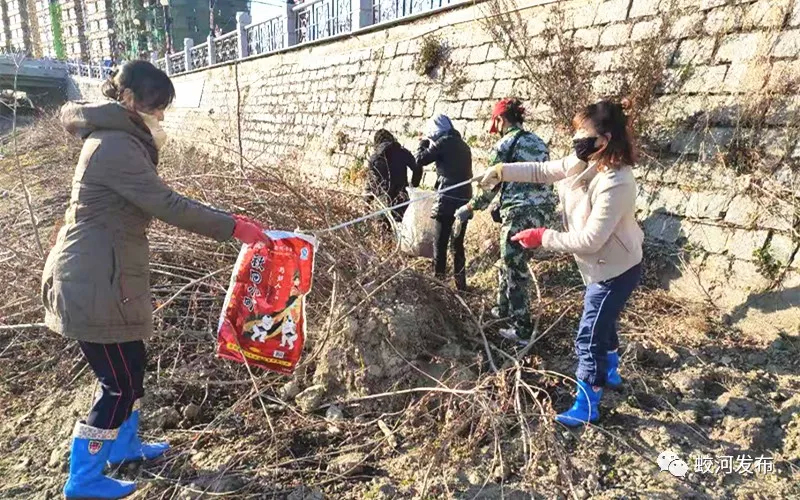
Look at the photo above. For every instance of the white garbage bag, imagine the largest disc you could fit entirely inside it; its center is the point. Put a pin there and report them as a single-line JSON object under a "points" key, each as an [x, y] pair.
{"points": [[417, 231]]}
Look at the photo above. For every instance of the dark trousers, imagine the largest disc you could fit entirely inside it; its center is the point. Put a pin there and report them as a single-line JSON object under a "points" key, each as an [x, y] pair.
{"points": [[120, 370], [443, 238], [597, 333]]}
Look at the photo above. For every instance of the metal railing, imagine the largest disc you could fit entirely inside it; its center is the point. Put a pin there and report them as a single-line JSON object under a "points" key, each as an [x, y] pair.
{"points": [[89, 71], [226, 47], [266, 36], [309, 21], [323, 19], [388, 10], [198, 56], [177, 63]]}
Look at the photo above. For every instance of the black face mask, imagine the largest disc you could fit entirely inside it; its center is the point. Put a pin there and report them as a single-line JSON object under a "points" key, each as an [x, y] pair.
{"points": [[585, 147]]}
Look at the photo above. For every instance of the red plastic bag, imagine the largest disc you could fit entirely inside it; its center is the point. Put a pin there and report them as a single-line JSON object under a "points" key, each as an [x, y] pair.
{"points": [[263, 318]]}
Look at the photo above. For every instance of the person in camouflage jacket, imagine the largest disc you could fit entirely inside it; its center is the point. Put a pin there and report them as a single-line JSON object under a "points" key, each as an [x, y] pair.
{"points": [[516, 206]]}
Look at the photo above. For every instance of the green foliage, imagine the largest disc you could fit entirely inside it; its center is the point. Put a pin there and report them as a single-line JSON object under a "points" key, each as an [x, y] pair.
{"points": [[148, 34], [432, 53], [456, 85], [766, 263], [55, 27], [341, 139], [355, 173]]}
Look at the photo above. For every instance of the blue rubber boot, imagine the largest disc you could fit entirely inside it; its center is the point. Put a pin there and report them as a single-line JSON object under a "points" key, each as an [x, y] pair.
{"points": [[129, 448], [90, 450], [613, 379], [585, 409]]}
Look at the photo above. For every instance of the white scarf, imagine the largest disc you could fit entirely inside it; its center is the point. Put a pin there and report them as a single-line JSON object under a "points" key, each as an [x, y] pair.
{"points": [[159, 134]]}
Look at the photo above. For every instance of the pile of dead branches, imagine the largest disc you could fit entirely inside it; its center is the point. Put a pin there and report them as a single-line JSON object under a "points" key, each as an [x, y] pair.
{"points": [[497, 400]]}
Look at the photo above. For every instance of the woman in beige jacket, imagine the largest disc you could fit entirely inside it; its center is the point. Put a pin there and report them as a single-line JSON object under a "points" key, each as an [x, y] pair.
{"points": [[598, 192]]}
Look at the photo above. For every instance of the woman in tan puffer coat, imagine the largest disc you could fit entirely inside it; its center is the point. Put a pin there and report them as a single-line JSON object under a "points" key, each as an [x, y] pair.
{"points": [[96, 281]]}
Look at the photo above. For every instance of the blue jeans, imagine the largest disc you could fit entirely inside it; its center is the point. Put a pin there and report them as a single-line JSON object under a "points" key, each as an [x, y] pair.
{"points": [[597, 333]]}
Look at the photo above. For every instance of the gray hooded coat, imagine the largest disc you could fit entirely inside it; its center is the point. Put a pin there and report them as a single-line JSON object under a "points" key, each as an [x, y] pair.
{"points": [[96, 281]]}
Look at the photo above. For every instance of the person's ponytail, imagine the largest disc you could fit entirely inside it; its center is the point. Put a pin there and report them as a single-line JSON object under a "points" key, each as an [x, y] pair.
{"points": [[150, 88], [110, 88]]}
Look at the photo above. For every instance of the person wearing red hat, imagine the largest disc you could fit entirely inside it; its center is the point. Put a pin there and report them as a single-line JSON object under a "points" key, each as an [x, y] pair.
{"points": [[516, 206], [598, 192]]}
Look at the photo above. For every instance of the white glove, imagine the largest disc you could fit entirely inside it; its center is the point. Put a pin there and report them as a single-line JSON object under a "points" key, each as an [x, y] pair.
{"points": [[464, 213], [492, 177]]}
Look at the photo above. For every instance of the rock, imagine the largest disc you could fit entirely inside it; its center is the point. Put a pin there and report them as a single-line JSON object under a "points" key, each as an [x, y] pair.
{"points": [[191, 412], [305, 493], [649, 356], [581, 493], [733, 404], [23, 464], [777, 396], [689, 381], [726, 360], [636, 351], [757, 358], [218, 484], [58, 456], [334, 413], [166, 417], [349, 463], [289, 390], [310, 399], [746, 434], [387, 492]]}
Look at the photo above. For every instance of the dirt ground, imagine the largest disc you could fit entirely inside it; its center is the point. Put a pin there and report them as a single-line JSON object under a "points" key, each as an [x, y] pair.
{"points": [[398, 395]]}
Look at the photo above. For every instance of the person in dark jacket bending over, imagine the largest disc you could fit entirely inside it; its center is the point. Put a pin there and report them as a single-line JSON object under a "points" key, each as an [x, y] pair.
{"points": [[387, 179], [444, 146], [96, 280]]}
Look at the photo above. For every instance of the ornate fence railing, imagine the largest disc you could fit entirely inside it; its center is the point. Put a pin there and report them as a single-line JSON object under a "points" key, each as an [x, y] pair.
{"points": [[266, 36], [177, 63], [305, 22], [89, 71], [388, 10], [198, 56], [226, 47], [323, 19]]}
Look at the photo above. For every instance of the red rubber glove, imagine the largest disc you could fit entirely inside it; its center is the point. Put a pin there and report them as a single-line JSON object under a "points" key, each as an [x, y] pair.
{"points": [[248, 231], [530, 238]]}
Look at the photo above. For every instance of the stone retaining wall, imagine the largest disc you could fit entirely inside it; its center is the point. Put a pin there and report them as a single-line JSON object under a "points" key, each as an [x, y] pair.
{"points": [[316, 107]]}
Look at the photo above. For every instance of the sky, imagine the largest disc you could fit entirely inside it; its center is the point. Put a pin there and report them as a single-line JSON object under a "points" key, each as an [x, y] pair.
{"points": [[261, 10]]}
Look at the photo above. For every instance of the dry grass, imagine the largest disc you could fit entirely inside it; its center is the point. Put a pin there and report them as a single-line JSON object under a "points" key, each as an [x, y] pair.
{"points": [[494, 423]]}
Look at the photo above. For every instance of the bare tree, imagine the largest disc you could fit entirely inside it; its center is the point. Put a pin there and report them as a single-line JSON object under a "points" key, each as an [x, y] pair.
{"points": [[18, 58], [553, 64]]}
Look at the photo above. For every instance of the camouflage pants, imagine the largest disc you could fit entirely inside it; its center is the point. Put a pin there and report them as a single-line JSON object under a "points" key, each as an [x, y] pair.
{"points": [[513, 297]]}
